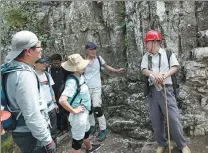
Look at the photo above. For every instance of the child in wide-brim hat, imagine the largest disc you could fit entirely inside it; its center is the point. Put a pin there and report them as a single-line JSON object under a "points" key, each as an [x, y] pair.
{"points": [[79, 109]]}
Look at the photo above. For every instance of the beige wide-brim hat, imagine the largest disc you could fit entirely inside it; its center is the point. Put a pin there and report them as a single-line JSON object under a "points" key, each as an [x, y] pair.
{"points": [[75, 63]]}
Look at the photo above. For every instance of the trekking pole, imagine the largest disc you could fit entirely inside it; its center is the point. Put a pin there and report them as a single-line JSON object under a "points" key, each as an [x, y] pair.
{"points": [[167, 117]]}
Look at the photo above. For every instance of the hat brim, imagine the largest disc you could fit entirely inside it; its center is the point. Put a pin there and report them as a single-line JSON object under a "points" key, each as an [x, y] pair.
{"points": [[12, 55], [76, 68], [5, 115]]}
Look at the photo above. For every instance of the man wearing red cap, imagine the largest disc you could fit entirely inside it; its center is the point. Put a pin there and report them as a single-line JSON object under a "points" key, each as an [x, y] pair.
{"points": [[155, 65]]}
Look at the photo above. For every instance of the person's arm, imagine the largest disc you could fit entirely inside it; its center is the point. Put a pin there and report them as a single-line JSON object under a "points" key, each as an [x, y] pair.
{"points": [[158, 76], [52, 92], [69, 91], [64, 103], [28, 103], [54, 99], [170, 72], [174, 66], [144, 67], [111, 69]]}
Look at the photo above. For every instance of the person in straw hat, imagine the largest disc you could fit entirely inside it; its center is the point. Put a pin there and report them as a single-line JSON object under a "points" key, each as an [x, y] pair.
{"points": [[75, 98]]}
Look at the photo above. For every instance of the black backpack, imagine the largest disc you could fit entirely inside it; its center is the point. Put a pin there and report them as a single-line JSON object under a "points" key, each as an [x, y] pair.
{"points": [[173, 77], [16, 118], [98, 57]]}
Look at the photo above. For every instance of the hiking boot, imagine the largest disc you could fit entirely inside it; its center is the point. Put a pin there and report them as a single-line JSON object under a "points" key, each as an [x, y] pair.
{"points": [[102, 135], [186, 150], [92, 130], [95, 147], [160, 149]]}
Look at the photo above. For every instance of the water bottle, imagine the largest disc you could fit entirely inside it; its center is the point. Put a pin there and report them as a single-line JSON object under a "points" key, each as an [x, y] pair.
{"points": [[152, 81]]}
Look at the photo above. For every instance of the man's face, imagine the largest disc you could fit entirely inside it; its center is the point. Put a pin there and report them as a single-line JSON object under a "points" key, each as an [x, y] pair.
{"points": [[41, 66], [92, 52], [149, 45], [56, 63], [36, 52]]}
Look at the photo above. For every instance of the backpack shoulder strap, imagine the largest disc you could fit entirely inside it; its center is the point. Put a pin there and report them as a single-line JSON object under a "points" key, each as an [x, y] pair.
{"points": [[49, 83], [98, 57], [78, 88], [5, 72], [76, 79], [168, 53], [48, 78]]}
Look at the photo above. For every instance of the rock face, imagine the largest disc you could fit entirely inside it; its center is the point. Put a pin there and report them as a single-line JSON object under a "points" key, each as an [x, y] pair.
{"points": [[118, 28]]}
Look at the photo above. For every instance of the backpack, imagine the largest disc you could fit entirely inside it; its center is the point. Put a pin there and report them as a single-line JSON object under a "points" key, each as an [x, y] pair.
{"points": [[173, 77], [101, 66], [16, 118], [77, 91], [49, 83]]}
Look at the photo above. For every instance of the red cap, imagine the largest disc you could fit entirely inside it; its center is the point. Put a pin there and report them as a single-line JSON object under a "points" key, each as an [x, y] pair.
{"points": [[152, 35], [4, 115]]}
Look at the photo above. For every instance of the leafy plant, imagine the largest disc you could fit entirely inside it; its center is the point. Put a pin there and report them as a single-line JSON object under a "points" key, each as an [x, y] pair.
{"points": [[16, 17], [7, 145]]}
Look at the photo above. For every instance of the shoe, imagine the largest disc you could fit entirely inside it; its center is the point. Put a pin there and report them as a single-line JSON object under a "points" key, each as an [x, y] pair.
{"points": [[92, 130], [186, 150], [102, 135], [160, 149], [95, 147]]}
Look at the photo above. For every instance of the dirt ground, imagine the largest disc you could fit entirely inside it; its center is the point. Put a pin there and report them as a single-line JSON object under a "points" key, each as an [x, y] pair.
{"points": [[115, 143]]}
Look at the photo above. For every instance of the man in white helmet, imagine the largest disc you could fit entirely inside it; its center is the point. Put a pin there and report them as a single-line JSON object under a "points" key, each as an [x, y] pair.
{"points": [[22, 90]]}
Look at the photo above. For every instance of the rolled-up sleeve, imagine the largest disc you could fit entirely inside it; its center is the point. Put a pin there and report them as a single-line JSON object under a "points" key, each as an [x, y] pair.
{"points": [[102, 60], [27, 97], [70, 88], [173, 60], [144, 63]]}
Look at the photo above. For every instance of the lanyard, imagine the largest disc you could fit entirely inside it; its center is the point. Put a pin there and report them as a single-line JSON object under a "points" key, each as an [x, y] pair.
{"points": [[150, 62]]}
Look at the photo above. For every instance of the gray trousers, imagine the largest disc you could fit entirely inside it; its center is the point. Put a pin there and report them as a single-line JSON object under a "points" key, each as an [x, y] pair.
{"points": [[27, 143], [53, 120], [157, 109]]}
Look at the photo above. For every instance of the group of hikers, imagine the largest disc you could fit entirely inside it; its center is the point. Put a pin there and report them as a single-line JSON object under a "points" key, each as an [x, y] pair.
{"points": [[43, 98]]}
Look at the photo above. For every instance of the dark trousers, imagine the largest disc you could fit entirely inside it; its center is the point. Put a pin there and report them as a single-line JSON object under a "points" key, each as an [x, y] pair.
{"points": [[63, 119], [27, 143], [157, 108], [53, 120]]}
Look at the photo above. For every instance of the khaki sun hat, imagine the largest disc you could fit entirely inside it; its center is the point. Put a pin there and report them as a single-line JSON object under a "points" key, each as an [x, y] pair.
{"points": [[75, 63]]}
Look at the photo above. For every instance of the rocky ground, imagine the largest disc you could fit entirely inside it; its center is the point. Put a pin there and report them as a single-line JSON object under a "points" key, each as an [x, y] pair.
{"points": [[115, 143]]}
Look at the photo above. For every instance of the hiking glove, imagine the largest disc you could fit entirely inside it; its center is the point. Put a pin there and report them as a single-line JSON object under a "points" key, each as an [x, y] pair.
{"points": [[51, 147]]}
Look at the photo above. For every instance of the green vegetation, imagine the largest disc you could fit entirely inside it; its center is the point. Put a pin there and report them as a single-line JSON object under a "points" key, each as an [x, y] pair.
{"points": [[16, 17], [7, 144], [19, 16]]}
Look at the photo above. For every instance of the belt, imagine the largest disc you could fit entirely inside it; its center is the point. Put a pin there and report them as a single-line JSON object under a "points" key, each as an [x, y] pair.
{"points": [[167, 85]]}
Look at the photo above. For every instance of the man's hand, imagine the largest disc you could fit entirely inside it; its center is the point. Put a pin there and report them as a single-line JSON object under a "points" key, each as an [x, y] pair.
{"points": [[78, 109], [165, 75], [158, 77], [121, 70], [51, 147]]}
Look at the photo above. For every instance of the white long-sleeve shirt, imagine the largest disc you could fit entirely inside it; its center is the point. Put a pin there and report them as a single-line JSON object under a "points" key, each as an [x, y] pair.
{"points": [[22, 91]]}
